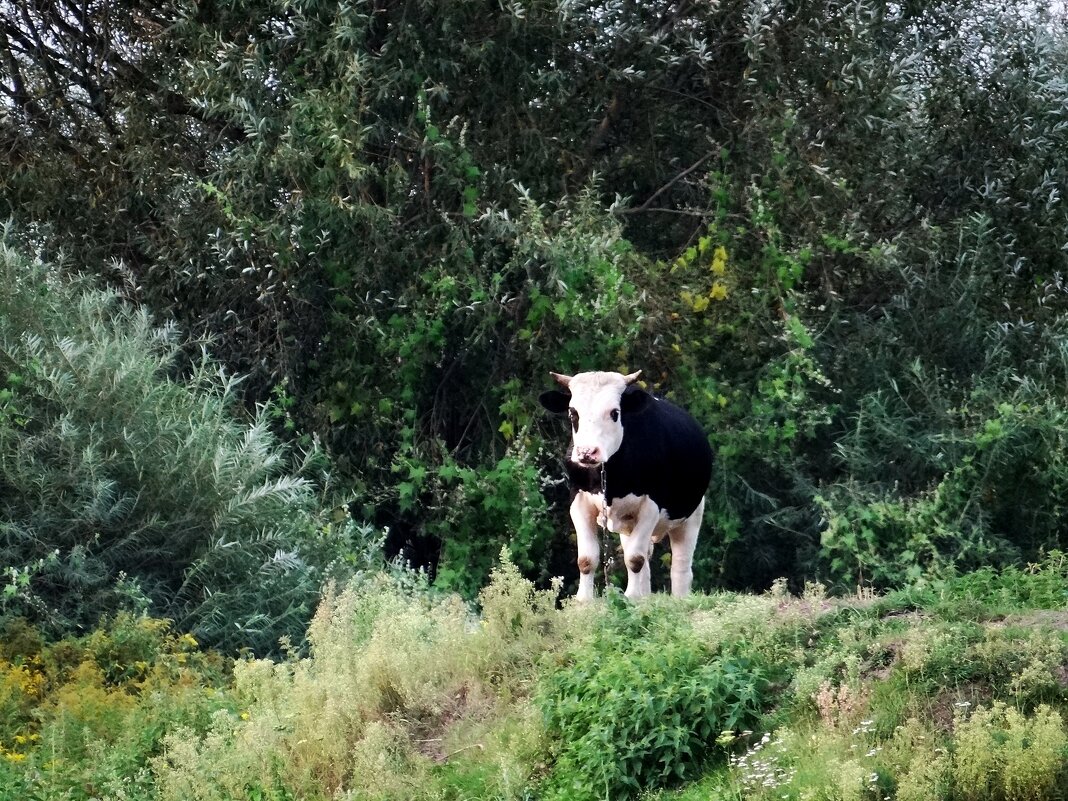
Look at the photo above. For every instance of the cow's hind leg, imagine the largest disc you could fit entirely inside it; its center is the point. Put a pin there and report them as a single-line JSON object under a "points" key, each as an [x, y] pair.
{"points": [[584, 516], [683, 544]]}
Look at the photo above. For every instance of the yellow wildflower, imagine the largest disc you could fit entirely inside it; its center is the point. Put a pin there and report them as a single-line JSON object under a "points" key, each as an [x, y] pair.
{"points": [[719, 291], [719, 261], [700, 303]]}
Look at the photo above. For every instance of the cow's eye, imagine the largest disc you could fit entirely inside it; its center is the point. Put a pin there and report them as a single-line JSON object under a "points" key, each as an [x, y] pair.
{"points": [[572, 415], [615, 415]]}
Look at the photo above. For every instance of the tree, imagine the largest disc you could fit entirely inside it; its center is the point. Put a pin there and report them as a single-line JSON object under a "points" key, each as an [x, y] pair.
{"points": [[395, 216]]}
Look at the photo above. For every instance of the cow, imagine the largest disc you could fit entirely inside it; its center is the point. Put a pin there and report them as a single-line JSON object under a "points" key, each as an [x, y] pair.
{"points": [[639, 466]]}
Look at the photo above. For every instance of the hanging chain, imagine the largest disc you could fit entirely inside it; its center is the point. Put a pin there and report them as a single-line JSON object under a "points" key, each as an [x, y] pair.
{"points": [[607, 560]]}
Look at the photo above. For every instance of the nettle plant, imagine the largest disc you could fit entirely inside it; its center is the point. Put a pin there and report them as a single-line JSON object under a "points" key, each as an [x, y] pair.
{"points": [[641, 705]]}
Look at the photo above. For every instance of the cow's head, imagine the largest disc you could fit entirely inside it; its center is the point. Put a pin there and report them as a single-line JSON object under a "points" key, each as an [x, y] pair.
{"points": [[597, 405]]}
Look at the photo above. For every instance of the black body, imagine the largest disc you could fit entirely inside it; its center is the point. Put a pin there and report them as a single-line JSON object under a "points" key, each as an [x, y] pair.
{"points": [[664, 455]]}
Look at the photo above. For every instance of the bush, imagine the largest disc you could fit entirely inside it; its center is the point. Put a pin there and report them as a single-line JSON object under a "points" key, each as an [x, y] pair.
{"points": [[952, 454], [130, 479], [398, 682], [91, 711], [1041, 585], [1001, 754], [641, 705]]}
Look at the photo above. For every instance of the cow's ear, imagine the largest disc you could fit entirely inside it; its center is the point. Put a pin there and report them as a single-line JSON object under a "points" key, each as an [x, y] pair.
{"points": [[555, 401], [634, 400]]}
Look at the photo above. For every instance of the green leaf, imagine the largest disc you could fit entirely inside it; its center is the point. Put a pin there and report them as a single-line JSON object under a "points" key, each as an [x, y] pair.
{"points": [[799, 332], [406, 494]]}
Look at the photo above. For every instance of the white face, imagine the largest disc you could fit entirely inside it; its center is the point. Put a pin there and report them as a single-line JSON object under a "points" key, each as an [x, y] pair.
{"points": [[597, 431]]}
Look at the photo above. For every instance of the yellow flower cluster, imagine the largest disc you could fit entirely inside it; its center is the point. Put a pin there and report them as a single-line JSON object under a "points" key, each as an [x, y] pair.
{"points": [[14, 755], [188, 641], [20, 679], [698, 303], [718, 266], [719, 269], [719, 261]]}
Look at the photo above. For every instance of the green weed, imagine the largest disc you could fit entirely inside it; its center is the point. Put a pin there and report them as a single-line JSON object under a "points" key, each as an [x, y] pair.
{"points": [[642, 703]]}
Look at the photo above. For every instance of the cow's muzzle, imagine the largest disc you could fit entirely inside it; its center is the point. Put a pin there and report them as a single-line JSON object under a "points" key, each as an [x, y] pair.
{"points": [[588, 457]]}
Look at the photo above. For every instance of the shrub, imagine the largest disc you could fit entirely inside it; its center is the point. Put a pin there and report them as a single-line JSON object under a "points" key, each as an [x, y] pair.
{"points": [[1040, 585], [128, 477], [1001, 754], [952, 454], [923, 767], [395, 675], [641, 704], [94, 709]]}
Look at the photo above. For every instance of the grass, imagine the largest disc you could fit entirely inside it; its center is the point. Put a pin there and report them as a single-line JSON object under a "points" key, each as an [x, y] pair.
{"points": [[949, 691]]}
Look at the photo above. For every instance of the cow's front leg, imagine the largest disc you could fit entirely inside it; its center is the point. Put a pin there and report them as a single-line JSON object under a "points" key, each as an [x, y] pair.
{"points": [[638, 549], [584, 516]]}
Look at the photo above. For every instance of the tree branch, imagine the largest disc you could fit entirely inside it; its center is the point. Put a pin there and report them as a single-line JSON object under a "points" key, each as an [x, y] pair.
{"points": [[645, 206]]}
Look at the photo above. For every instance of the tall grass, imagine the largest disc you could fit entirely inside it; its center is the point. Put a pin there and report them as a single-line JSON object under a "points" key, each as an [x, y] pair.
{"points": [[399, 694]]}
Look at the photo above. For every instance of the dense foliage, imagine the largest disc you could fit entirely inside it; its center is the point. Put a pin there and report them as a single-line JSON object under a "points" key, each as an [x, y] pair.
{"points": [[953, 691], [282, 280], [642, 704], [82, 716], [834, 231], [129, 481]]}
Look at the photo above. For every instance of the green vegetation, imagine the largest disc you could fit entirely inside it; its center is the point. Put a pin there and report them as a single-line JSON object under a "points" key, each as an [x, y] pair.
{"points": [[127, 481], [280, 283], [617, 733], [957, 691], [833, 231], [82, 716]]}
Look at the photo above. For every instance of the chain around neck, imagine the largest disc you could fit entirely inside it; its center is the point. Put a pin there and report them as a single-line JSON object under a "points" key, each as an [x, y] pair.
{"points": [[606, 559]]}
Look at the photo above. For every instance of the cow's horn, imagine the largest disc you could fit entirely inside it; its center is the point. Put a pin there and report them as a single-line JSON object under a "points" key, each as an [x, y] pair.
{"points": [[630, 379], [561, 379]]}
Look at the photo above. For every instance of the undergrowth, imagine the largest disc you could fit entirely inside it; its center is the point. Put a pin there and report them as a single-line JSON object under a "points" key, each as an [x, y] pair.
{"points": [[80, 718], [954, 691], [401, 693], [643, 702]]}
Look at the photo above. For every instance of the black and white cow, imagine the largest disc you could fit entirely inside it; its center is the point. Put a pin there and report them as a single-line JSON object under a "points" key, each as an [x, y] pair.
{"points": [[657, 466]]}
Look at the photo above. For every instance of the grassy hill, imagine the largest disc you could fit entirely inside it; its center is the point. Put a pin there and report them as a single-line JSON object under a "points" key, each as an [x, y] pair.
{"points": [[950, 690]]}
